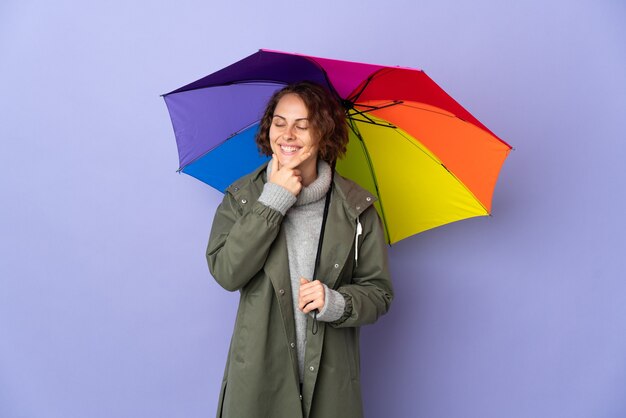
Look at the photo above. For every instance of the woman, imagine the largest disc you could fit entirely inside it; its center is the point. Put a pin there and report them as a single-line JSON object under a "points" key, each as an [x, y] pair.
{"points": [[295, 347]]}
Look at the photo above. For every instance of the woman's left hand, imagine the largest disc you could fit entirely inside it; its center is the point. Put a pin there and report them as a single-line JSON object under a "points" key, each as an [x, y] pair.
{"points": [[311, 296]]}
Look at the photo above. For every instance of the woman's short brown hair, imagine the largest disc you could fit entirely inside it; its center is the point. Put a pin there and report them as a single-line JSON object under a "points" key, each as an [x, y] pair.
{"points": [[326, 116]]}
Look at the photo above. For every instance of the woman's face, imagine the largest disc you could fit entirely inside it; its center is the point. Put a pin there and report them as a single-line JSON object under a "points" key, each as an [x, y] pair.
{"points": [[291, 134]]}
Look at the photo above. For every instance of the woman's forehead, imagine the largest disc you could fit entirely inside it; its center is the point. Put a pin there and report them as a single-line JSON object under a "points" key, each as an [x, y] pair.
{"points": [[291, 106]]}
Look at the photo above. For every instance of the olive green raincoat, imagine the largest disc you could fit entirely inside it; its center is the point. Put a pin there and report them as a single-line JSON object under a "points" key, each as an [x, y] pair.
{"points": [[247, 251]]}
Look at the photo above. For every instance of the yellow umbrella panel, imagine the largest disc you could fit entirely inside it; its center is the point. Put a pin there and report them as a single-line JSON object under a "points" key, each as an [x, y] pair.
{"points": [[416, 189]]}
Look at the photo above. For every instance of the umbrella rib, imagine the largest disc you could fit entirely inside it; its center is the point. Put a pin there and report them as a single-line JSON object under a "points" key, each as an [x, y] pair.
{"points": [[366, 117], [450, 115], [356, 95], [371, 167], [370, 108], [372, 122]]}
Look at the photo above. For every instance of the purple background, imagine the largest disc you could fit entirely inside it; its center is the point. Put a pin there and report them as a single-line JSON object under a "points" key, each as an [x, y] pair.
{"points": [[107, 308]]}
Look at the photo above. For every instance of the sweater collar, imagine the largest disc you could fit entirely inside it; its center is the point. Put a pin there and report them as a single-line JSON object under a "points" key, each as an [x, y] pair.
{"points": [[316, 190]]}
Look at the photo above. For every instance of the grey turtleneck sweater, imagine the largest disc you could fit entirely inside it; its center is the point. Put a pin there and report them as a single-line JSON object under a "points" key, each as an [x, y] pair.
{"points": [[302, 223]]}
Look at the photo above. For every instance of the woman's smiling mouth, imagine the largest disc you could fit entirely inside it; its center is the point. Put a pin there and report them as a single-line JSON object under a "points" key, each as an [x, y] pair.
{"points": [[289, 149]]}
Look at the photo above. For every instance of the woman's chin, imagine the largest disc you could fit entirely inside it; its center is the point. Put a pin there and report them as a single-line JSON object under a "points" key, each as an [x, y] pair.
{"points": [[287, 159]]}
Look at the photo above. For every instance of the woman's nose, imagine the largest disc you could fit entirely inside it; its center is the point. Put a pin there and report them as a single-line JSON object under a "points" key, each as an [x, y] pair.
{"points": [[289, 132]]}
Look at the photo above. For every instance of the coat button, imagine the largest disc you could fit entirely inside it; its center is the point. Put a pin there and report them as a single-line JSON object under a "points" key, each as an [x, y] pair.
{"points": [[281, 291], [292, 345], [358, 208], [369, 199], [336, 266], [312, 368], [300, 397], [235, 188], [244, 201]]}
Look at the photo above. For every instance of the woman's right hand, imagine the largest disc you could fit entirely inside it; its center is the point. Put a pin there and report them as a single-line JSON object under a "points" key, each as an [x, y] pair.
{"points": [[288, 176]]}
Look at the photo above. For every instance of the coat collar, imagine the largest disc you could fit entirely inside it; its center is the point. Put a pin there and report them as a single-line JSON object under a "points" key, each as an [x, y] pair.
{"points": [[354, 198]]}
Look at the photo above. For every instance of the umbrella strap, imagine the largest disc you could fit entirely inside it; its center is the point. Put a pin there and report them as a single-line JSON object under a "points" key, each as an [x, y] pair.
{"points": [[315, 325]]}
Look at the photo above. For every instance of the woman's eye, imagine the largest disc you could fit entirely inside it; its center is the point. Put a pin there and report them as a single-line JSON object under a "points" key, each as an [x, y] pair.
{"points": [[302, 128], [279, 125]]}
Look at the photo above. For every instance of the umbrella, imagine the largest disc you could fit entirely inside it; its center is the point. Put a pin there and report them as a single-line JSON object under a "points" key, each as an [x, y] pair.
{"points": [[427, 159]]}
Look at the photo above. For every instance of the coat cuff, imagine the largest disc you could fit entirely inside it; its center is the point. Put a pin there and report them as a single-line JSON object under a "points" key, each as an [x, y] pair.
{"points": [[334, 306], [277, 197]]}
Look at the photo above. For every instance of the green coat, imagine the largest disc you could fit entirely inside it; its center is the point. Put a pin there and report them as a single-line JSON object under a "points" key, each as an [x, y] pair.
{"points": [[247, 251]]}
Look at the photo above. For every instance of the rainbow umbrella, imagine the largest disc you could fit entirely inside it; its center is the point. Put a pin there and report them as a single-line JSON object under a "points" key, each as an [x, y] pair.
{"points": [[426, 158]]}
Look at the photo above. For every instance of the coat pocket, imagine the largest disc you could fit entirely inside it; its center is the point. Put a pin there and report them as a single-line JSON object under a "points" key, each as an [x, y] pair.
{"points": [[351, 353]]}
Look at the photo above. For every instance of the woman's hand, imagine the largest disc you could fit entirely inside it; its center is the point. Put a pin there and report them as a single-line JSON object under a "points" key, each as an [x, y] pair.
{"points": [[311, 295], [288, 176]]}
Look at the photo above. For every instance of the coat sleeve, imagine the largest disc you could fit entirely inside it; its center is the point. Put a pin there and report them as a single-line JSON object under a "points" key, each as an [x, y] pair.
{"points": [[370, 293], [240, 241]]}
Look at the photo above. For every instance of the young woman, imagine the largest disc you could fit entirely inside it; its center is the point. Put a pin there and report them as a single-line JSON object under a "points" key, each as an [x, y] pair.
{"points": [[295, 347]]}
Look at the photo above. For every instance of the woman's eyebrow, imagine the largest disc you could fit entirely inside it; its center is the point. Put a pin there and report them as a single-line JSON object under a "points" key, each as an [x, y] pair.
{"points": [[282, 117]]}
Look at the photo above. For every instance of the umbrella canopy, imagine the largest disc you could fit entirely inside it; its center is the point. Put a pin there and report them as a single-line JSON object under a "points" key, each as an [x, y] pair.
{"points": [[426, 158]]}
